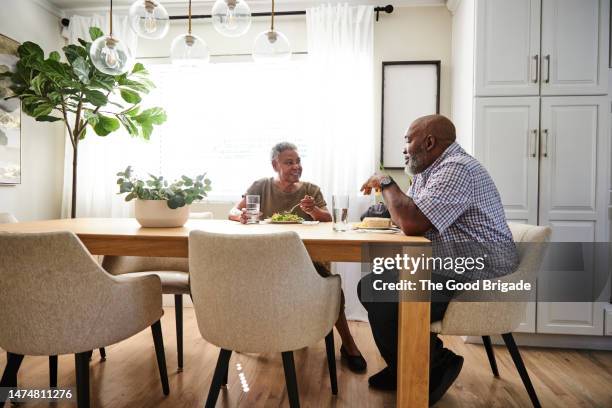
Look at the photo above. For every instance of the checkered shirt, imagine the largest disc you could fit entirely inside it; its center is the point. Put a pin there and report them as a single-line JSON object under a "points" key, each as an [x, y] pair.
{"points": [[458, 196]]}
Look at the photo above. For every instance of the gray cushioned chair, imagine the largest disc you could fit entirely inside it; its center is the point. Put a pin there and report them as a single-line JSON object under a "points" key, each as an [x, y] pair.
{"points": [[94, 309], [174, 275], [261, 294], [500, 318]]}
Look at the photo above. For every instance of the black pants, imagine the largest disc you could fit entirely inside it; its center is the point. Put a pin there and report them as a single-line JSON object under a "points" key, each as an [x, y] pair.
{"points": [[383, 318]]}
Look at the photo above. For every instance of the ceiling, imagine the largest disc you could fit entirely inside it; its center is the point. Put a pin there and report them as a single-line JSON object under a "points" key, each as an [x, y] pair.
{"points": [[73, 5]]}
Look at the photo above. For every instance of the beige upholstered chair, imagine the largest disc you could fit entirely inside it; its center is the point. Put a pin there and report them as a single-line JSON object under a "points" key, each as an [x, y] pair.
{"points": [[174, 275], [500, 318], [94, 310], [261, 294]]}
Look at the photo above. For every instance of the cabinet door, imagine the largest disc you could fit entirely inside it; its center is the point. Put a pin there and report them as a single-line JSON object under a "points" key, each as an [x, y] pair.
{"points": [[573, 172], [575, 47], [505, 142], [507, 47], [573, 163]]}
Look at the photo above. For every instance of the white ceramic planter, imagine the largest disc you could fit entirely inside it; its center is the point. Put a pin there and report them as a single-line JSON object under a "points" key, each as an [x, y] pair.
{"points": [[156, 213]]}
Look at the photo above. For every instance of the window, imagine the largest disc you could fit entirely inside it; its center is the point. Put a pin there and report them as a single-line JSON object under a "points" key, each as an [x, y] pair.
{"points": [[225, 119]]}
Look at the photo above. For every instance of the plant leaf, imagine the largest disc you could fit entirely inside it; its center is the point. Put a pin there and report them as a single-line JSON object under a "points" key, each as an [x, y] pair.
{"points": [[130, 96], [54, 56], [44, 109], [96, 98], [48, 119], [139, 68], [95, 33], [29, 49], [106, 125], [81, 69]]}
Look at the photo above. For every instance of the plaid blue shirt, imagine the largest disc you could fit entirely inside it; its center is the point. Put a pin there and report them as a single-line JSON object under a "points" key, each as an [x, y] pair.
{"points": [[458, 196]]}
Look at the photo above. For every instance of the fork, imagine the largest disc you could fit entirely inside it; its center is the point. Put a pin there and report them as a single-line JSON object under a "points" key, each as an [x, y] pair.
{"points": [[292, 208]]}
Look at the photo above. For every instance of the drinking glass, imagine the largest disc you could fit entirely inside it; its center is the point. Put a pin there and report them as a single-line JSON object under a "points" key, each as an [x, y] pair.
{"points": [[252, 209], [340, 205]]}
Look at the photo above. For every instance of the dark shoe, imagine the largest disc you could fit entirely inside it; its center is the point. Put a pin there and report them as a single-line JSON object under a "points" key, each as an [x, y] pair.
{"points": [[356, 364], [385, 380], [443, 376]]}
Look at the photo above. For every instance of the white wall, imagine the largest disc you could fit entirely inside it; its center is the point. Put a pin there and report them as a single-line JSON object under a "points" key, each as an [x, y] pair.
{"points": [[408, 34], [42, 144]]}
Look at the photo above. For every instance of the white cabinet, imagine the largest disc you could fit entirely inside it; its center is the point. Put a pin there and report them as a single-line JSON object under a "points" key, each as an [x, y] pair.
{"points": [[547, 157], [506, 137], [573, 164], [528, 100], [574, 47], [507, 47], [547, 47]]}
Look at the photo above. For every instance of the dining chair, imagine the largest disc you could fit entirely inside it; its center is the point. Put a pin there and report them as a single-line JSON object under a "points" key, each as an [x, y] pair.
{"points": [[488, 318], [8, 218], [173, 273], [95, 309], [261, 294]]}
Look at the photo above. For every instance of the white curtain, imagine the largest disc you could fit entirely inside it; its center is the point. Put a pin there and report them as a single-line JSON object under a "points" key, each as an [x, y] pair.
{"points": [[100, 158], [340, 51]]}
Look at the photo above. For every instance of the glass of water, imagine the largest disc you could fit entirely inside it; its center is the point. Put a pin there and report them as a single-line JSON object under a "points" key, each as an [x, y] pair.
{"points": [[252, 209], [340, 205]]}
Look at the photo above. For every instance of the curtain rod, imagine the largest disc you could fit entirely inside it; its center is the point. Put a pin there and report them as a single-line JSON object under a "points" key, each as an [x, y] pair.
{"points": [[387, 9]]}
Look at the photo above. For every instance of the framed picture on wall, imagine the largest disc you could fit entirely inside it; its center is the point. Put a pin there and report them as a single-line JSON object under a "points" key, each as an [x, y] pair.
{"points": [[10, 117], [410, 89]]}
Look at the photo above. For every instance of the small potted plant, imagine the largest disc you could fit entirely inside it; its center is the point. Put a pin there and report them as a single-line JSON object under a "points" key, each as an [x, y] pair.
{"points": [[160, 203]]}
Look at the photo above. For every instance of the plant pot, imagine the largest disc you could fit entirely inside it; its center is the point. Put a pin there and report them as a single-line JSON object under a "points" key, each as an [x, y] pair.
{"points": [[156, 214]]}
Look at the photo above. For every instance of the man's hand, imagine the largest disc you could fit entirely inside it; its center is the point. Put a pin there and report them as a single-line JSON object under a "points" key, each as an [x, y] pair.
{"points": [[307, 204], [373, 183]]}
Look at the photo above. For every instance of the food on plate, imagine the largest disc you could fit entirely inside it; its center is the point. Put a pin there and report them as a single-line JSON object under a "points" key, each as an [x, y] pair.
{"points": [[374, 222], [286, 217]]}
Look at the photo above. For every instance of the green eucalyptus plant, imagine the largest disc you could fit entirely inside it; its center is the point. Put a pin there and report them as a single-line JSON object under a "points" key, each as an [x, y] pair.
{"points": [[76, 93], [177, 194]]}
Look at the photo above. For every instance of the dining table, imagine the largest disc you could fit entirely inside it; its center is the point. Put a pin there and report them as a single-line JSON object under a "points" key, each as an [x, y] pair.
{"points": [[124, 236]]}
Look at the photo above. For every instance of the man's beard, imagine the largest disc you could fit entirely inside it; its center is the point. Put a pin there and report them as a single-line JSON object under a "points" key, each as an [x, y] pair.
{"points": [[415, 163]]}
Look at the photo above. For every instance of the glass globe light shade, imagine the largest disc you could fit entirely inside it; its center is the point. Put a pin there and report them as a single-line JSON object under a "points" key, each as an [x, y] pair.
{"points": [[271, 46], [189, 50], [111, 55], [149, 19], [231, 18]]}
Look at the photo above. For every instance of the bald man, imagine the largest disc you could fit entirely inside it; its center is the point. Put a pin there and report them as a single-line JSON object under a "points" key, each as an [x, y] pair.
{"points": [[452, 200]]}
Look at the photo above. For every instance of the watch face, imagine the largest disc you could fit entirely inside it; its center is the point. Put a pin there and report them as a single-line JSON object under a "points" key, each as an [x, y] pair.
{"points": [[385, 181]]}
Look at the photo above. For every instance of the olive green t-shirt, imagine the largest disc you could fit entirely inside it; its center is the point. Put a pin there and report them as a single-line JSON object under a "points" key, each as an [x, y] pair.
{"points": [[273, 200]]}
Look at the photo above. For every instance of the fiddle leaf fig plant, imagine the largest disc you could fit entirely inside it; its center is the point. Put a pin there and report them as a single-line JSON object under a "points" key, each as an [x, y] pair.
{"points": [[75, 92], [177, 194]]}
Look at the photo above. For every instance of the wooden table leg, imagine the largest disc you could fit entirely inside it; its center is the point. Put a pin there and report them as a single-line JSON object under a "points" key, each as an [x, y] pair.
{"points": [[413, 343]]}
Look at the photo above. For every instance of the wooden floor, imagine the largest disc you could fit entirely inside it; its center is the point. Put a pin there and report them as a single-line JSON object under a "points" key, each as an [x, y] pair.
{"points": [[129, 377]]}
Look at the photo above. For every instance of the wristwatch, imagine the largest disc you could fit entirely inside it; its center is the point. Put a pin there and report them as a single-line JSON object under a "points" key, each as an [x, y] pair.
{"points": [[386, 181]]}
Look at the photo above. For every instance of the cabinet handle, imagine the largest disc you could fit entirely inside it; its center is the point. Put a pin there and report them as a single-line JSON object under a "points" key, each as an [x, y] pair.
{"points": [[545, 147], [537, 68], [547, 58], [533, 146]]}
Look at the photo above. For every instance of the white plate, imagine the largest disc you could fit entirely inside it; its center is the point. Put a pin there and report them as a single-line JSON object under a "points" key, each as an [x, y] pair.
{"points": [[378, 231]]}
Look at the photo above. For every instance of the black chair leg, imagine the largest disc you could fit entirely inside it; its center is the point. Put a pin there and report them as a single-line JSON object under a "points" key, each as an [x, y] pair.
{"points": [[290, 378], [331, 361], [486, 340], [89, 354], [81, 362], [218, 377], [9, 377], [52, 371], [225, 377], [158, 341], [520, 366], [103, 354], [178, 313]]}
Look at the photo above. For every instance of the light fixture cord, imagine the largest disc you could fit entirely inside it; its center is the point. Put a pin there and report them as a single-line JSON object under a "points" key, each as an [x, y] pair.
{"points": [[111, 18], [272, 18], [189, 30]]}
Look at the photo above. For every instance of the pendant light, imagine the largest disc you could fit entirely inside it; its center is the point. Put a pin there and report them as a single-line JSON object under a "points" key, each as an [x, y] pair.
{"points": [[189, 50], [231, 18], [271, 46], [149, 19], [109, 54]]}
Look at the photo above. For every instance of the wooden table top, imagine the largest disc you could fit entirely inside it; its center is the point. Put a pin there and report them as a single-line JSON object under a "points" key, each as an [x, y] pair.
{"points": [[124, 236]]}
